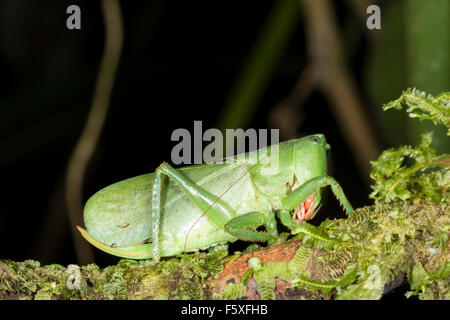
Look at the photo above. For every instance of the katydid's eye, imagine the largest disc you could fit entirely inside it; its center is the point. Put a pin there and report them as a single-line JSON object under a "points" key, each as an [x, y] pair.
{"points": [[316, 140]]}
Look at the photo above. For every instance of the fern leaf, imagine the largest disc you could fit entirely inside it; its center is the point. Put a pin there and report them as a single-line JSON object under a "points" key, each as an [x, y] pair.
{"points": [[316, 237], [346, 279], [300, 260], [266, 289], [234, 291], [424, 106]]}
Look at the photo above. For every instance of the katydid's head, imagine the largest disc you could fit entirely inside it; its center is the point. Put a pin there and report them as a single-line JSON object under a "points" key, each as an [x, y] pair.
{"points": [[310, 161], [310, 157]]}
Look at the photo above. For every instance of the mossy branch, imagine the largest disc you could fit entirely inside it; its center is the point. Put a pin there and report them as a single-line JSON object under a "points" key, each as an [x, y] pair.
{"points": [[382, 247]]}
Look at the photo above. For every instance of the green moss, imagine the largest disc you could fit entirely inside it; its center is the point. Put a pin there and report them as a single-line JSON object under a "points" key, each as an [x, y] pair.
{"points": [[370, 286], [409, 224], [185, 277], [415, 174], [233, 291], [428, 285], [265, 275]]}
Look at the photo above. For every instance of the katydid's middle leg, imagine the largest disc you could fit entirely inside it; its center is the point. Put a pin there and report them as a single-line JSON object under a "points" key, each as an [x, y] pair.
{"points": [[243, 227]]}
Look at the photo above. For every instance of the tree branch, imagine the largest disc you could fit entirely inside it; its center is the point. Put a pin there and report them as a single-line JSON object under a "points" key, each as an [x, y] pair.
{"points": [[384, 239]]}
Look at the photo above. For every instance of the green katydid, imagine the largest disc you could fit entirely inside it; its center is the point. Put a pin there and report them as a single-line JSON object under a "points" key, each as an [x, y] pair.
{"points": [[181, 210]]}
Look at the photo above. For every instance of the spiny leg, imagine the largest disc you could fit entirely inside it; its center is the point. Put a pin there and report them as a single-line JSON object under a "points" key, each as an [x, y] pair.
{"points": [[243, 227], [216, 210], [299, 195], [156, 214]]}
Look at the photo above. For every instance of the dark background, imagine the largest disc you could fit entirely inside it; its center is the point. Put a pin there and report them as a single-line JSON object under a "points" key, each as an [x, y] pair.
{"points": [[179, 63]]}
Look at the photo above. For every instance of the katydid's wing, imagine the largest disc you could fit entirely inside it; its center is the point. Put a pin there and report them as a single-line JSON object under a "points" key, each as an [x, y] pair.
{"points": [[120, 214]]}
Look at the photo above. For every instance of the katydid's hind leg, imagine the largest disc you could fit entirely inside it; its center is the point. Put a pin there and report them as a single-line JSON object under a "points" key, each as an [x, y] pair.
{"points": [[156, 214], [299, 195], [215, 209], [243, 227]]}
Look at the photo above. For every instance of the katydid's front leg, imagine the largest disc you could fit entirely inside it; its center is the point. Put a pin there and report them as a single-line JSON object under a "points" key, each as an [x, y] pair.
{"points": [[215, 209], [307, 191]]}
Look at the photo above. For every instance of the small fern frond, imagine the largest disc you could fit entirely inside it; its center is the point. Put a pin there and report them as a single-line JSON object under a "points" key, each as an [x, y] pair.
{"points": [[439, 239], [266, 289], [315, 236], [312, 285], [300, 260], [424, 106], [234, 291], [346, 279]]}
